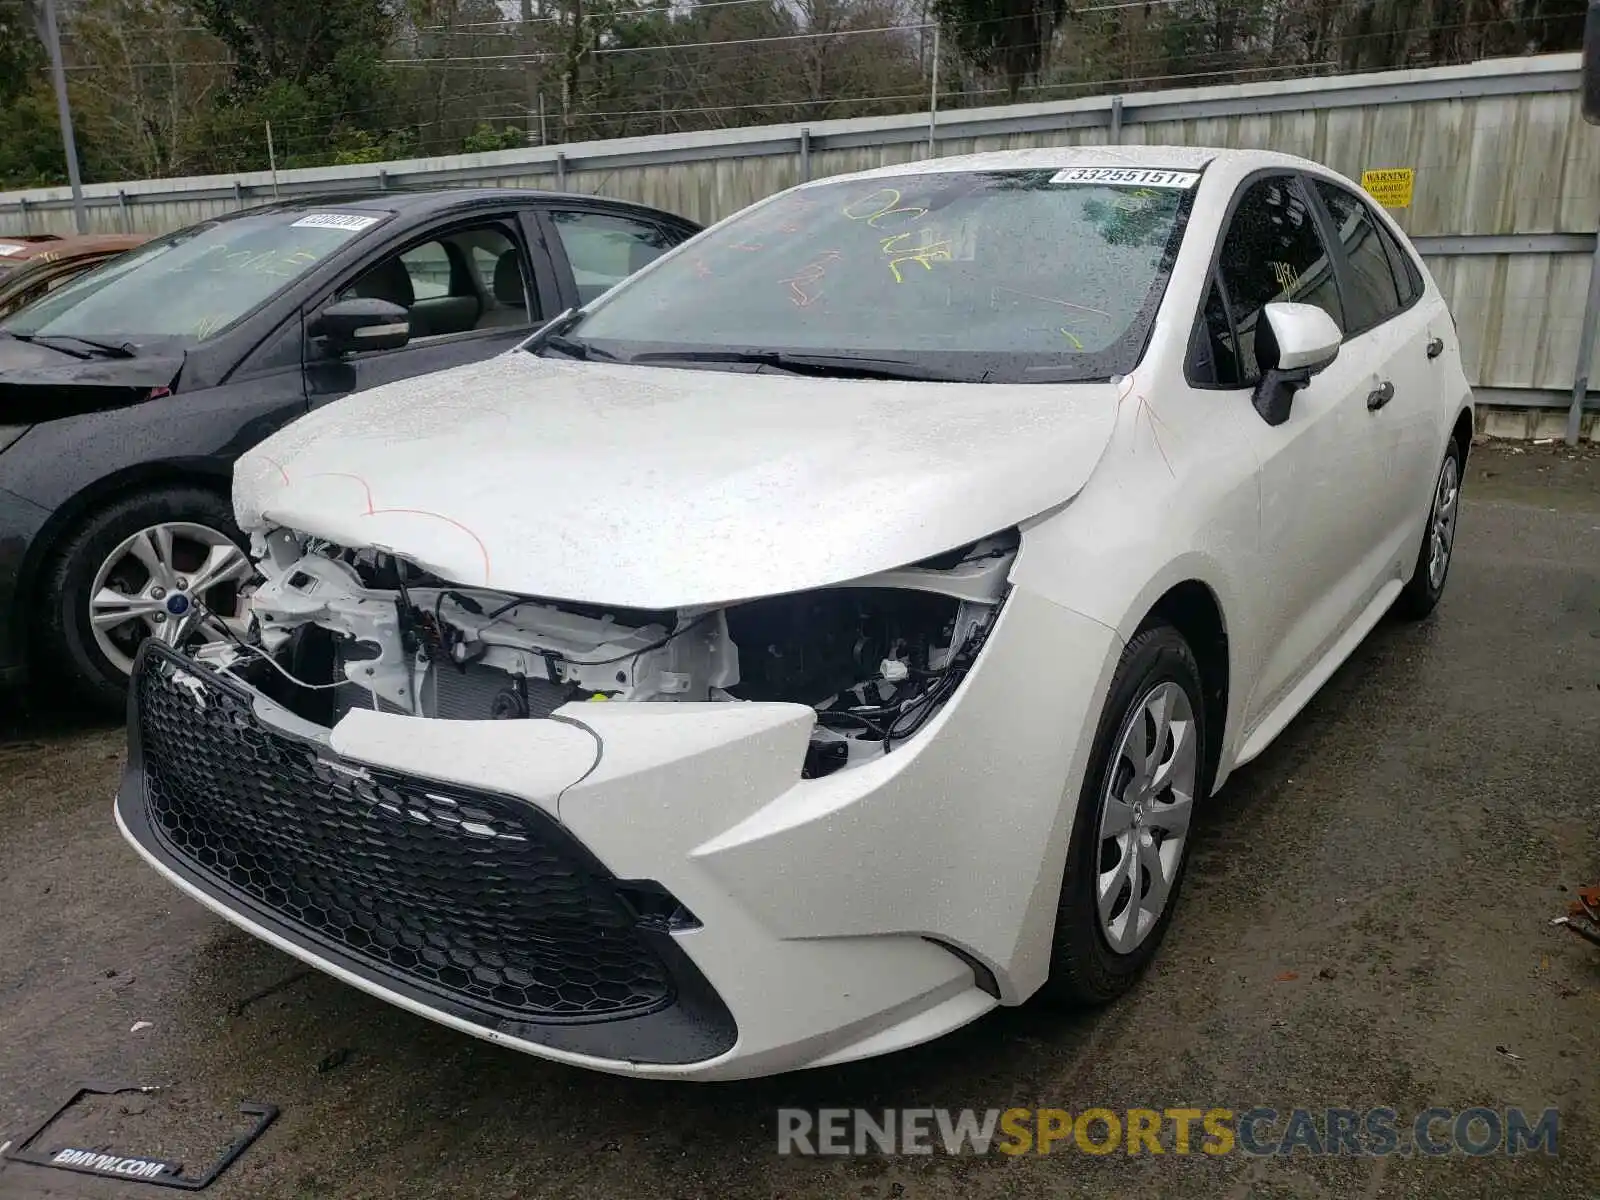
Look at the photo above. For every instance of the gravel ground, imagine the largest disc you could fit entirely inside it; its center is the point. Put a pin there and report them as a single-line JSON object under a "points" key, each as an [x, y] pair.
{"points": [[1365, 923]]}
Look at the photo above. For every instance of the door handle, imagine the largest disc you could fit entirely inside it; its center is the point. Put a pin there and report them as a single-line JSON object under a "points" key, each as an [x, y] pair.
{"points": [[1435, 347], [1380, 396]]}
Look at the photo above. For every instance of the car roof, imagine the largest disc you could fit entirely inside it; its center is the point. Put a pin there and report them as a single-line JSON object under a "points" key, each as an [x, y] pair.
{"points": [[63, 246], [422, 201], [1182, 158]]}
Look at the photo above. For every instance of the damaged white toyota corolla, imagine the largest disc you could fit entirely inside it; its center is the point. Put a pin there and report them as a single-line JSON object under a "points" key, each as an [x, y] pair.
{"points": [[827, 635]]}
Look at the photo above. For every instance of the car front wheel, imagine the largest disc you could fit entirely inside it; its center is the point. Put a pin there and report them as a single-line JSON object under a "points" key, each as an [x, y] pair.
{"points": [[1131, 836], [167, 563]]}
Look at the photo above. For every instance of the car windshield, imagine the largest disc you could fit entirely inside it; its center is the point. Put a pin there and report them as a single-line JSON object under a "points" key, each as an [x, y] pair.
{"points": [[194, 283], [988, 276]]}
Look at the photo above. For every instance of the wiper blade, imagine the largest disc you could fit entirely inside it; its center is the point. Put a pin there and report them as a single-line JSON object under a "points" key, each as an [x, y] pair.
{"points": [[111, 349], [836, 366], [573, 348], [114, 349], [48, 343]]}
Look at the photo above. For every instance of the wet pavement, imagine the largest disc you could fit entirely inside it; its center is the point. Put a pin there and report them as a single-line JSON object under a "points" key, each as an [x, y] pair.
{"points": [[1366, 922]]}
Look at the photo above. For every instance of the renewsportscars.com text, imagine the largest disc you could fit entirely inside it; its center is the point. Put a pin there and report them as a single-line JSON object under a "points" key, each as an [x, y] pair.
{"points": [[1257, 1131]]}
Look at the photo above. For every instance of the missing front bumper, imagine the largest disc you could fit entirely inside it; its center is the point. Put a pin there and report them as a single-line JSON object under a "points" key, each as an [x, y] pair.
{"points": [[473, 905]]}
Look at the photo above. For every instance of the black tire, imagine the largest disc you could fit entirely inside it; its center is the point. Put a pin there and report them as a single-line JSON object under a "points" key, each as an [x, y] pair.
{"points": [[67, 657], [1420, 596], [1084, 969]]}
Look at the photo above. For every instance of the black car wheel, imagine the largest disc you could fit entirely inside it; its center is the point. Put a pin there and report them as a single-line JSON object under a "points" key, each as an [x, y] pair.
{"points": [[166, 563]]}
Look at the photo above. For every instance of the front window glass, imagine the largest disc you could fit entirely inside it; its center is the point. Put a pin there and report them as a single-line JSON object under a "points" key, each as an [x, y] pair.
{"points": [[604, 249], [991, 276], [194, 283], [1273, 253]]}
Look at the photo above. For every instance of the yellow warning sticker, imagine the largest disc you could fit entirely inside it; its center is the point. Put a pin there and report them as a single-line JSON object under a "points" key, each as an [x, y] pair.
{"points": [[1391, 188]]}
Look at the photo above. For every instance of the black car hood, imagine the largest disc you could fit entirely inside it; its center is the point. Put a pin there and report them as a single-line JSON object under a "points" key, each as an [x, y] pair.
{"points": [[41, 384]]}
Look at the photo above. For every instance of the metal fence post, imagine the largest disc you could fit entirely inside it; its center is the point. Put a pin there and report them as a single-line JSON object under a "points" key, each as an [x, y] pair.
{"points": [[238, 194], [27, 225], [122, 205], [383, 180], [561, 172], [1591, 316], [1116, 120], [805, 156]]}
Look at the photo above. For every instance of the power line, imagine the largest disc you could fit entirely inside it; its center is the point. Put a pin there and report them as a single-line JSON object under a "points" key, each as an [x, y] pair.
{"points": [[676, 14], [545, 55]]}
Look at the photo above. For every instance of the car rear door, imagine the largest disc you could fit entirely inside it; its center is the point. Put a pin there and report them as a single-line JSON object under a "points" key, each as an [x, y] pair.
{"points": [[1390, 330], [1322, 509], [472, 286]]}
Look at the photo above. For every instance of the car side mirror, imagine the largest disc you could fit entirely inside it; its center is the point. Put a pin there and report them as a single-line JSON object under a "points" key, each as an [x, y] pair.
{"points": [[1293, 343], [1591, 65], [362, 323]]}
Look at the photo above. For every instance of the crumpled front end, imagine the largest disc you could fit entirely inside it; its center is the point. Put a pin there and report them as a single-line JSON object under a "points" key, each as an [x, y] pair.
{"points": [[700, 843]]}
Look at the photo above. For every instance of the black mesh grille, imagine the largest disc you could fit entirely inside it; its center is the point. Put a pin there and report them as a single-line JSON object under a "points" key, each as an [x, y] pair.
{"points": [[482, 899]]}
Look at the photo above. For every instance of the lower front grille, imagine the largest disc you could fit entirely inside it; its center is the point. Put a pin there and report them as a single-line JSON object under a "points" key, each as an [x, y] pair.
{"points": [[466, 895]]}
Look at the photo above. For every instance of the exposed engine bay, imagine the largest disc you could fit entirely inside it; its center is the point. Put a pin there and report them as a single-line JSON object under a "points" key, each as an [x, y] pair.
{"points": [[333, 629]]}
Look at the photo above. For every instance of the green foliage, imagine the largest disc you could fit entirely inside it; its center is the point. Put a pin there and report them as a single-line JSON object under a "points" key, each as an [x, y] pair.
{"points": [[30, 141], [21, 55], [486, 137], [295, 41], [1007, 38], [313, 69], [361, 146]]}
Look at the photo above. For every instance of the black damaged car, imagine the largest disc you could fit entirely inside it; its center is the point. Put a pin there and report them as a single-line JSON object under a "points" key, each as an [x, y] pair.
{"points": [[126, 395]]}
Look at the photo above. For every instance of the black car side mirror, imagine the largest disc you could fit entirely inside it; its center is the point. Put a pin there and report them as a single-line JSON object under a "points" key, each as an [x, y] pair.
{"points": [[361, 323]]}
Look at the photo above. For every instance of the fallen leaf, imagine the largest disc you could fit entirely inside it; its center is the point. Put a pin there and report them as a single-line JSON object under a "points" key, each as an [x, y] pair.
{"points": [[1286, 977]]}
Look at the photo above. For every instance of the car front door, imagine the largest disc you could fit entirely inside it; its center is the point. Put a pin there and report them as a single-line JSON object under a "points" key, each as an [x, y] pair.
{"points": [[1322, 503], [595, 250], [471, 288], [1390, 331]]}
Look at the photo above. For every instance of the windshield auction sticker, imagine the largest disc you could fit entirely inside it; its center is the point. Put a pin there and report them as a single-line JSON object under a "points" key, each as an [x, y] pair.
{"points": [[349, 221], [1128, 177]]}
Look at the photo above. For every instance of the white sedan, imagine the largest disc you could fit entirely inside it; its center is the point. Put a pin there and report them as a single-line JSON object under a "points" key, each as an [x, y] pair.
{"points": [[827, 635]]}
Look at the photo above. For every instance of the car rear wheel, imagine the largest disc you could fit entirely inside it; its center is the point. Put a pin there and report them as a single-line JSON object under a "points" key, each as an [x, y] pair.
{"points": [[1421, 595], [167, 563], [1131, 837]]}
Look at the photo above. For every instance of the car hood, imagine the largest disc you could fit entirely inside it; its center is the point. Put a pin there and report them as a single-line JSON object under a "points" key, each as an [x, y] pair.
{"points": [[659, 488], [41, 384]]}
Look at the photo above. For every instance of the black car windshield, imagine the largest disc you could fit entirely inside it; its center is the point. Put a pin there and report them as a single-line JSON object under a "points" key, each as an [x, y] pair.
{"points": [[192, 284], [992, 276]]}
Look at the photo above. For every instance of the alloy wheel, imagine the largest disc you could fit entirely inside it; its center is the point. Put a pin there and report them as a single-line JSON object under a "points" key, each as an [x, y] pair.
{"points": [[1442, 523], [1144, 815], [178, 581]]}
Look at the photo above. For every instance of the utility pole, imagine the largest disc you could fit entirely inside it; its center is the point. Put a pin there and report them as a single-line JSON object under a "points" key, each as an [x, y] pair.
{"points": [[272, 161], [530, 73], [58, 73], [933, 97]]}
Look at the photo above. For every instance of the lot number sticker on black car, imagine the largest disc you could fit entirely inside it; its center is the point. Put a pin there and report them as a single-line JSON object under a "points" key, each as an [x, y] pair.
{"points": [[348, 221]]}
